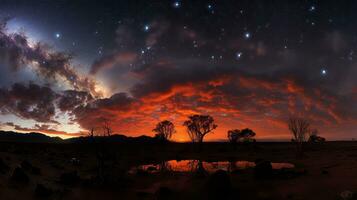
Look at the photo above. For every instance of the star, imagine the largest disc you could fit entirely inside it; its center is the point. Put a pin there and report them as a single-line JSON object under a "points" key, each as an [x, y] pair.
{"points": [[210, 8], [146, 28], [58, 35], [239, 55], [323, 72], [247, 35], [177, 4], [312, 8]]}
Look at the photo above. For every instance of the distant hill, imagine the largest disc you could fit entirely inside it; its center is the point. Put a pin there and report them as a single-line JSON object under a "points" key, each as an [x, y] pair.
{"points": [[10, 136], [112, 139]]}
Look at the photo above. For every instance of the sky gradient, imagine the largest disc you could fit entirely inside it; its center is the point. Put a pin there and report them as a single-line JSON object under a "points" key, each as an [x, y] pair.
{"points": [[68, 66]]}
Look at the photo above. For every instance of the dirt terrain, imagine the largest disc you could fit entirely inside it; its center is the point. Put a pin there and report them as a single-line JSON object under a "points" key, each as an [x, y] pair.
{"points": [[102, 171]]}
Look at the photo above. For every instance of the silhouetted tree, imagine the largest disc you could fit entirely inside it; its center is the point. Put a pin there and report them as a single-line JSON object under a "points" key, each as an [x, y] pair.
{"points": [[233, 136], [315, 138], [164, 130], [300, 128], [246, 135], [198, 126], [91, 133], [107, 129]]}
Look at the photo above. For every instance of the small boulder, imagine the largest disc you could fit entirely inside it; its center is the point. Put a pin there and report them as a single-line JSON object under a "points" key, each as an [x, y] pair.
{"points": [[151, 169], [263, 169], [324, 171], [219, 185], [75, 161], [348, 195], [20, 176], [43, 191], [69, 178], [26, 165], [164, 193], [3, 166], [36, 171]]}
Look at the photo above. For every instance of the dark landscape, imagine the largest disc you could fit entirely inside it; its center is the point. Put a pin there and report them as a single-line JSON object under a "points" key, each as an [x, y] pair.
{"points": [[69, 170]]}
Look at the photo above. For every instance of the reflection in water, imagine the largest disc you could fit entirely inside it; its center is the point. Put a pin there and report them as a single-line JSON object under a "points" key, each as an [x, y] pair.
{"points": [[202, 166]]}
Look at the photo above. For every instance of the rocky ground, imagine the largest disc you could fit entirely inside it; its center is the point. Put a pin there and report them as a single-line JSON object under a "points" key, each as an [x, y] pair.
{"points": [[100, 171]]}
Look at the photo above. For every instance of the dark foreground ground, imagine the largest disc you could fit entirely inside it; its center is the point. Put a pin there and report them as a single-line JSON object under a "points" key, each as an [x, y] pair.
{"points": [[100, 171]]}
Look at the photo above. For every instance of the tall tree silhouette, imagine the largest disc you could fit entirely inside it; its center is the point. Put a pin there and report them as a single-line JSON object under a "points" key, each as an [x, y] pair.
{"points": [[106, 128], [198, 126], [300, 128], [164, 130]]}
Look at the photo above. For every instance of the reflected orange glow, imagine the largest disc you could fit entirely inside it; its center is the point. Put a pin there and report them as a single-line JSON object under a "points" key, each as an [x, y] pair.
{"points": [[210, 167]]}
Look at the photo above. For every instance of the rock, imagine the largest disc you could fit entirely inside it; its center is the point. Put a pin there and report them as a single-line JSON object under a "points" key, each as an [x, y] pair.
{"points": [[140, 172], [42, 191], [75, 161], [3, 166], [69, 178], [36, 171], [347, 195], [164, 193], [142, 194], [26, 165], [263, 169], [219, 185], [20, 176], [151, 169], [324, 171]]}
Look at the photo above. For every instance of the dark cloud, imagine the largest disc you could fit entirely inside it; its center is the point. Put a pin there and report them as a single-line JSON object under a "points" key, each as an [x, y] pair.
{"points": [[94, 113], [70, 99], [29, 101]]}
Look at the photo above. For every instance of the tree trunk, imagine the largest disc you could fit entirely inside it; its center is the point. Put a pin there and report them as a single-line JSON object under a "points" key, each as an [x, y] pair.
{"points": [[200, 143]]}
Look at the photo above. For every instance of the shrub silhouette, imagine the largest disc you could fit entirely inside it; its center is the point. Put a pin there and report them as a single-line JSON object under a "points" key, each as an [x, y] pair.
{"points": [[245, 135], [315, 138], [164, 130]]}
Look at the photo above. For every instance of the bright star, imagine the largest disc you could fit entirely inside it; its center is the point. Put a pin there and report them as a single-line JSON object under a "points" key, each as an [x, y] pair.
{"points": [[247, 35], [312, 8], [209, 6], [177, 4], [323, 72], [57, 35], [146, 27], [239, 55]]}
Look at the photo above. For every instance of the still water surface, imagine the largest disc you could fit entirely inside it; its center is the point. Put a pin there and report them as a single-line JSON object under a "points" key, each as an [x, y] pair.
{"points": [[210, 167]]}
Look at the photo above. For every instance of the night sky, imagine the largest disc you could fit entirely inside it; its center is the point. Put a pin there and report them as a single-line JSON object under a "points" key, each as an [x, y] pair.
{"points": [[67, 66]]}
